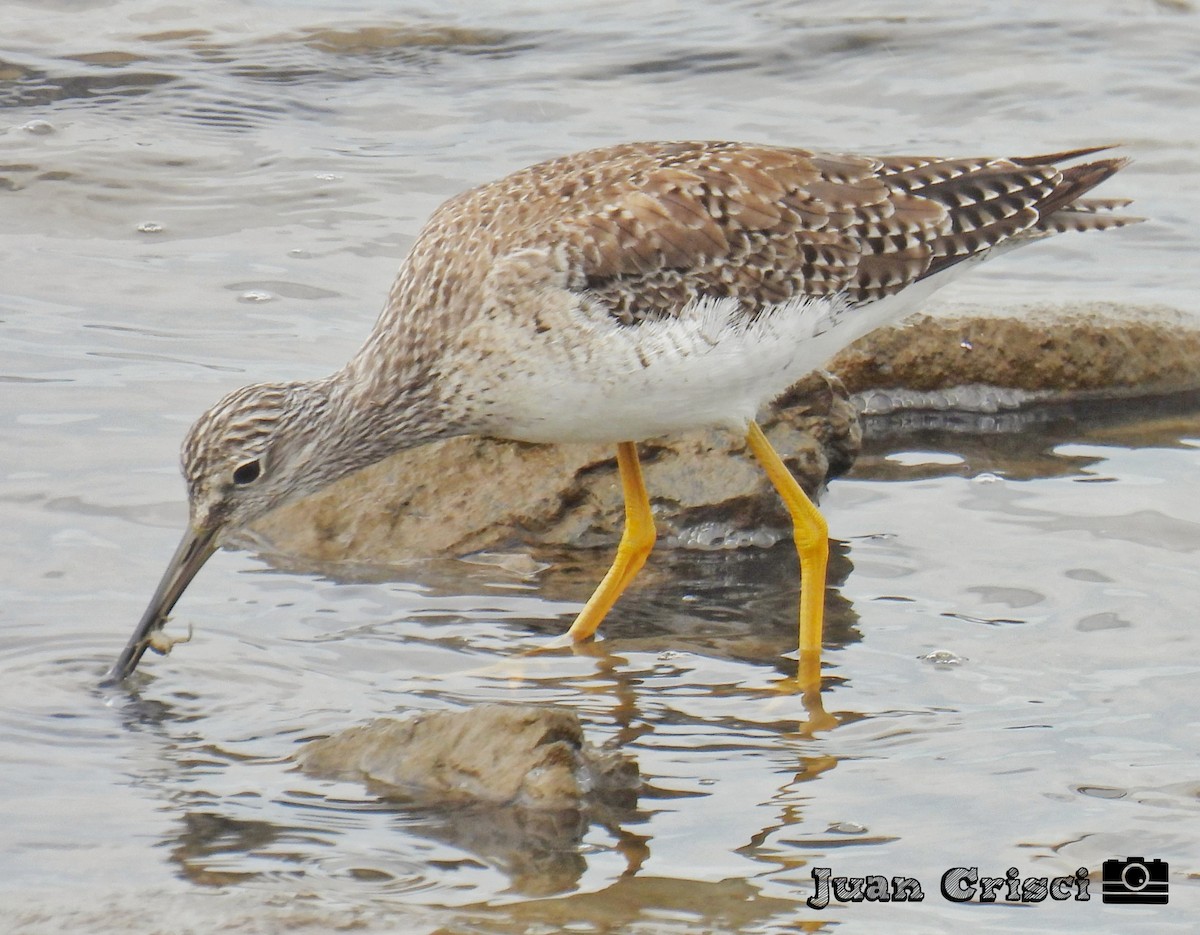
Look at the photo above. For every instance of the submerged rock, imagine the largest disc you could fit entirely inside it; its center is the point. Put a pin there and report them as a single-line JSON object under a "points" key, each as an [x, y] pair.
{"points": [[524, 755]]}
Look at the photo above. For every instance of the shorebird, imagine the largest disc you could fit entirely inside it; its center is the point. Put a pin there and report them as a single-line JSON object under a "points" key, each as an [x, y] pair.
{"points": [[620, 294]]}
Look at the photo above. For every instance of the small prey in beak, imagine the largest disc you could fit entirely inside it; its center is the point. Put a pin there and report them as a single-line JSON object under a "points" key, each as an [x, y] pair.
{"points": [[189, 558]]}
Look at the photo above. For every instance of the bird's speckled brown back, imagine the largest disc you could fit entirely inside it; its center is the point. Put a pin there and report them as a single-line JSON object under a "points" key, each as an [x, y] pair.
{"points": [[647, 227]]}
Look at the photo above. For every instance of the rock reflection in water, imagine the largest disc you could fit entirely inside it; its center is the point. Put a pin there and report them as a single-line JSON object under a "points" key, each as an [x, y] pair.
{"points": [[516, 785]]}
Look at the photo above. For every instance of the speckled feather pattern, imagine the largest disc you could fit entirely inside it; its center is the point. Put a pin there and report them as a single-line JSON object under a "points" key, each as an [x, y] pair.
{"points": [[645, 228], [568, 299], [503, 275]]}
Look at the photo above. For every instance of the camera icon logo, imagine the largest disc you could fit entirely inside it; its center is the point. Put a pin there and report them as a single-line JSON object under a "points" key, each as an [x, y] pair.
{"points": [[1134, 881]]}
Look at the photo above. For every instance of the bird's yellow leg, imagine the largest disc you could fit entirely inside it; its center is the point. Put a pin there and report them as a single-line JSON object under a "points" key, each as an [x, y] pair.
{"points": [[811, 535], [636, 542]]}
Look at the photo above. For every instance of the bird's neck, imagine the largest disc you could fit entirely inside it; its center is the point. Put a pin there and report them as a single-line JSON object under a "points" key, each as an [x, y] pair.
{"points": [[367, 419]]}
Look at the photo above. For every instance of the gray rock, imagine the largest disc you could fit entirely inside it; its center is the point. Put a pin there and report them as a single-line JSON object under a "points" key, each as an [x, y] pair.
{"points": [[530, 756]]}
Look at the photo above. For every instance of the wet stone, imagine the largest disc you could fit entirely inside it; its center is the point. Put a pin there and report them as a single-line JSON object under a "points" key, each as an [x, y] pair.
{"points": [[1094, 348], [533, 757]]}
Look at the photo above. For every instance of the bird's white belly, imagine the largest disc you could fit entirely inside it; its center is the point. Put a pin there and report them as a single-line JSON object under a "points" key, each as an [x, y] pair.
{"points": [[642, 403], [710, 366]]}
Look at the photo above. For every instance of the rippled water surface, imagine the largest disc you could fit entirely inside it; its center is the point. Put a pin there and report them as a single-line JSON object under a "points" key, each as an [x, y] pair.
{"points": [[197, 196]]}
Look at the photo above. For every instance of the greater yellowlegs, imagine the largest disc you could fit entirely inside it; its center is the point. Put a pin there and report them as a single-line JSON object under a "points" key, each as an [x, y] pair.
{"points": [[620, 294]]}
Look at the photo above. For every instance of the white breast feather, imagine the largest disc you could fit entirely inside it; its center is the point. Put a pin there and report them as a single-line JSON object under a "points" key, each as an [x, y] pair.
{"points": [[709, 366]]}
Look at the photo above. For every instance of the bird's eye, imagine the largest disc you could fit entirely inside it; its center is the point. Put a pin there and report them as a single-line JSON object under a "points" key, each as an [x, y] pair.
{"points": [[247, 473]]}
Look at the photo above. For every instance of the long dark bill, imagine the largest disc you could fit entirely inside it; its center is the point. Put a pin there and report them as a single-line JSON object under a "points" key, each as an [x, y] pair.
{"points": [[189, 558]]}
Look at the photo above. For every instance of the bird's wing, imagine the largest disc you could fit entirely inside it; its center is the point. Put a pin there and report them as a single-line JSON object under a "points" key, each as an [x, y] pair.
{"points": [[650, 230], [645, 229]]}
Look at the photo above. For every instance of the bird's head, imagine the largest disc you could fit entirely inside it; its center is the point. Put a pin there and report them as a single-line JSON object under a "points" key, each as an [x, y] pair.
{"points": [[257, 448], [250, 453]]}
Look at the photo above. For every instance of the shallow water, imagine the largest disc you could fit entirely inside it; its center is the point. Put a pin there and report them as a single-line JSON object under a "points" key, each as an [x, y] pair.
{"points": [[197, 198]]}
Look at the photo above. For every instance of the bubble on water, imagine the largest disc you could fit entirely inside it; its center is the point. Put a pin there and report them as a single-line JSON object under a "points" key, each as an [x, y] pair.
{"points": [[328, 177], [717, 536], [987, 477], [847, 827], [922, 458], [150, 227], [256, 295], [764, 538], [972, 398], [1103, 792], [943, 658], [520, 564], [38, 127], [299, 254]]}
